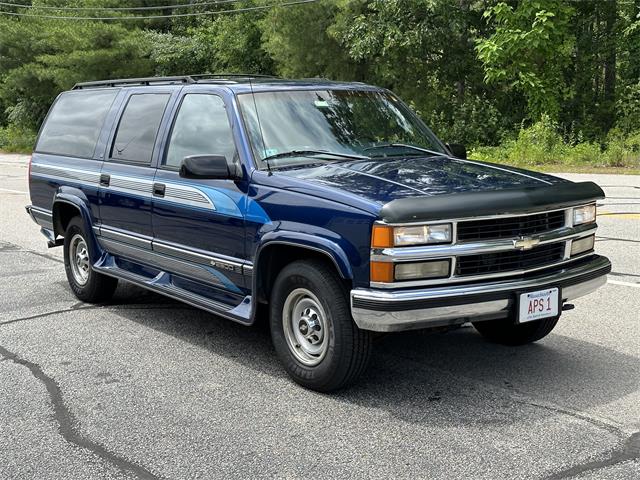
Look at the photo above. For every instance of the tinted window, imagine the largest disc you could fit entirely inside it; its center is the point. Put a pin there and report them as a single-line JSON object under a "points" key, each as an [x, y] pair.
{"points": [[201, 128], [138, 127], [74, 123]]}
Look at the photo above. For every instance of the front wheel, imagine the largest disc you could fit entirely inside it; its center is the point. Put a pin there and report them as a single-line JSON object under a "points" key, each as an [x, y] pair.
{"points": [[514, 334], [87, 284], [312, 330]]}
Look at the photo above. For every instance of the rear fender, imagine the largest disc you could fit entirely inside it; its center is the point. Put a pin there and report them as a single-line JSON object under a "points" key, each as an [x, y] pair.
{"points": [[66, 197]]}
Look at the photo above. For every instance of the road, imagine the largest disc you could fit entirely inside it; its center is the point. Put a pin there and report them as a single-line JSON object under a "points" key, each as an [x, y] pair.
{"points": [[149, 388]]}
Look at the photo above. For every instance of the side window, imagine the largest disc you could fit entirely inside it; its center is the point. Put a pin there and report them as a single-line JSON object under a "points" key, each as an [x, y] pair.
{"points": [[73, 126], [138, 127], [201, 128]]}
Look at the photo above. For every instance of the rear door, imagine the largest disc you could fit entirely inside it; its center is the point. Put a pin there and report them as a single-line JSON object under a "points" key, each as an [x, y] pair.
{"points": [[202, 221], [126, 179]]}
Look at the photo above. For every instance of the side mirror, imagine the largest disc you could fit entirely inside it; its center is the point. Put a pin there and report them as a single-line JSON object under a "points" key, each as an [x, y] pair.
{"points": [[207, 167], [457, 150]]}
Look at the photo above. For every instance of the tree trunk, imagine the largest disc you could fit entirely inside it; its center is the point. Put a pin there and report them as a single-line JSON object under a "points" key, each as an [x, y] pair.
{"points": [[609, 87]]}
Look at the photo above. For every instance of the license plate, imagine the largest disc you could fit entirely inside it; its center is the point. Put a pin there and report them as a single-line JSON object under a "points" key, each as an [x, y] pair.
{"points": [[538, 305]]}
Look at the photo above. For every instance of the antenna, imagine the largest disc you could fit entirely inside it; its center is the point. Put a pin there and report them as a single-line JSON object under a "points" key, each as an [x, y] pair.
{"points": [[264, 147]]}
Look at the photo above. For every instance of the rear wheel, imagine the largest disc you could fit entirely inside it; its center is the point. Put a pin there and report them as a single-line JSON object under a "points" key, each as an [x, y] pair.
{"points": [[86, 284], [508, 333], [312, 330]]}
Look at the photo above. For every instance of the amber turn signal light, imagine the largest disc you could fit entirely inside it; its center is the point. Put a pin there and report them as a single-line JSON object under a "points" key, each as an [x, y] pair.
{"points": [[382, 236], [382, 272]]}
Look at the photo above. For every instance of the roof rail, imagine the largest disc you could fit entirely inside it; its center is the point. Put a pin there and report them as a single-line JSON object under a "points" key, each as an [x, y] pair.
{"points": [[230, 75], [135, 81], [165, 80]]}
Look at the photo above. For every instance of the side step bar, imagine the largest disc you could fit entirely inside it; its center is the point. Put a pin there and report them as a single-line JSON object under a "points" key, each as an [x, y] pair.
{"points": [[163, 285]]}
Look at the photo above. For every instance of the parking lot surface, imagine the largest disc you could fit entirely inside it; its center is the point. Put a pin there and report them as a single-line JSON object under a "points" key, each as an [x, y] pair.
{"points": [[146, 387]]}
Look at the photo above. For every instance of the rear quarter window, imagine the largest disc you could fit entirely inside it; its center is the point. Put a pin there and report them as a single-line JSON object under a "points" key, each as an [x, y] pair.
{"points": [[73, 125], [138, 127]]}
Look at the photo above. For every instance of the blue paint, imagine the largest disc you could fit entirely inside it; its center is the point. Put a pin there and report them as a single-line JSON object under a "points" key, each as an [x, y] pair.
{"points": [[328, 208], [228, 284]]}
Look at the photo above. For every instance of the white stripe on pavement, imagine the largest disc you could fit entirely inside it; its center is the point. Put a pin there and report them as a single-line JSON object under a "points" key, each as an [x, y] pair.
{"points": [[13, 191], [624, 284]]}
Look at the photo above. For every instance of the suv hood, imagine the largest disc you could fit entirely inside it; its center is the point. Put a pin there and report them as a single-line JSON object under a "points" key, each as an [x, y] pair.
{"points": [[384, 180]]}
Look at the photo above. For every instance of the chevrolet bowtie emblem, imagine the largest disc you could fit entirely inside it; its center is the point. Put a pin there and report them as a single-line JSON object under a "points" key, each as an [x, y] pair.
{"points": [[525, 243]]}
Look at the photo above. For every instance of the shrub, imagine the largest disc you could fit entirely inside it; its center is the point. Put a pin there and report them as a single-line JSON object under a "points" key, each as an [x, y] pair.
{"points": [[17, 139], [541, 144], [622, 150]]}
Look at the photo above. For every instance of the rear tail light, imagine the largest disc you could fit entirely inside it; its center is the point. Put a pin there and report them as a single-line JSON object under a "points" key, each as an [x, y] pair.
{"points": [[30, 160]]}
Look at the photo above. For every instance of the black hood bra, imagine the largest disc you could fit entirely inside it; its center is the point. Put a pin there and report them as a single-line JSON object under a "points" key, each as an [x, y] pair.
{"points": [[488, 203]]}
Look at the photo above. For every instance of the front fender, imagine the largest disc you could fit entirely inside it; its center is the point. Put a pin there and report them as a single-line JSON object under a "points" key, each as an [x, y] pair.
{"points": [[323, 245]]}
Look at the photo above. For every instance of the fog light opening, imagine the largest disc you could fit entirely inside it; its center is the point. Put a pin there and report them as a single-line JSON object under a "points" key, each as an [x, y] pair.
{"points": [[582, 245], [422, 270]]}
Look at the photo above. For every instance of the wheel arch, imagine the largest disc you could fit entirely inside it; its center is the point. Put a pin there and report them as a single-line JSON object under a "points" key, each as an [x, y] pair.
{"points": [[273, 256], [68, 205]]}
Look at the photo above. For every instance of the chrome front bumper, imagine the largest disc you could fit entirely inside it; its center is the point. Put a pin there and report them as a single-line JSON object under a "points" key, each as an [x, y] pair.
{"points": [[396, 310]]}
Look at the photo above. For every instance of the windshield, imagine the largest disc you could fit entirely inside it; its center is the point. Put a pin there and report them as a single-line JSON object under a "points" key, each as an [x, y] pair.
{"points": [[361, 123]]}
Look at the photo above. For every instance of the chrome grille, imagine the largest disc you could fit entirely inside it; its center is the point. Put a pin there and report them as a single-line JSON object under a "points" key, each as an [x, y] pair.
{"points": [[510, 227], [498, 262]]}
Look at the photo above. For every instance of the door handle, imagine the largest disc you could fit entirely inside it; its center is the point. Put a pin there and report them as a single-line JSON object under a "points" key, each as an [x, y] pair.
{"points": [[104, 180], [158, 189]]}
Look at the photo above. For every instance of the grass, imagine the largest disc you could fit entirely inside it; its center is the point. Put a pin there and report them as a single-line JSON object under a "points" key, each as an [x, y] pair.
{"points": [[540, 147], [568, 168]]}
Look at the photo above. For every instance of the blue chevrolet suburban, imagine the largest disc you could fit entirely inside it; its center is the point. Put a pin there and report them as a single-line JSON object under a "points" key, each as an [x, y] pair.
{"points": [[329, 208]]}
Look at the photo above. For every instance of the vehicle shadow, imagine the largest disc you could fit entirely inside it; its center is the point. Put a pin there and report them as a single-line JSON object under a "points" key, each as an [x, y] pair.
{"points": [[414, 375]]}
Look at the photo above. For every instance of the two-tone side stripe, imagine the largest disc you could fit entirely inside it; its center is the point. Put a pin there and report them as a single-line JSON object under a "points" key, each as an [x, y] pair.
{"points": [[176, 193], [56, 172]]}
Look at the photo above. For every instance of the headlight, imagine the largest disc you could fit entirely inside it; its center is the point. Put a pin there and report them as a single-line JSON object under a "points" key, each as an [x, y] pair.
{"points": [[586, 214], [384, 236]]}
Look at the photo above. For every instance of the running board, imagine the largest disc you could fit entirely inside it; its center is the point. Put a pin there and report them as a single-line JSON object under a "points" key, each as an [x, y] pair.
{"points": [[162, 284]]}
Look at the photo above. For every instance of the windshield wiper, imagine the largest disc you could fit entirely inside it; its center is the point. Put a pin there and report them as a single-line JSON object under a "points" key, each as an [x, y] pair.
{"points": [[403, 145], [308, 153]]}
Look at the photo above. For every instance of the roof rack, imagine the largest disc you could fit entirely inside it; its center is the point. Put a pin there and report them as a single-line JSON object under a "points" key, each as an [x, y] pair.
{"points": [[135, 81], [165, 80], [231, 75]]}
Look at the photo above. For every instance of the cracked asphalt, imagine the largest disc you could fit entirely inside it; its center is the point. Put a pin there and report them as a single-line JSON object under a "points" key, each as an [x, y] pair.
{"points": [[145, 387]]}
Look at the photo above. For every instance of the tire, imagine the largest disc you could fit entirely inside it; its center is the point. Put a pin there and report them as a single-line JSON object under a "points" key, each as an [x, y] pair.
{"points": [[513, 334], [86, 284], [309, 308]]}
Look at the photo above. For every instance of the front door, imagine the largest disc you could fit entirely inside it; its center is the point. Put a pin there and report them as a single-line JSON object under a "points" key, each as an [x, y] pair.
{"points": [[201, 221]]}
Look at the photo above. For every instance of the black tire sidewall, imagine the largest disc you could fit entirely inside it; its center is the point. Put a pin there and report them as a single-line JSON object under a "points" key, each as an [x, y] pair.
{"points": [[98, 287], [331, 370], [73, 229]]}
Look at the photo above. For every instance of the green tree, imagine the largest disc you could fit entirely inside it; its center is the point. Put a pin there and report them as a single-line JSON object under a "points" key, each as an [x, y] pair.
{"points": [[529, 52]]}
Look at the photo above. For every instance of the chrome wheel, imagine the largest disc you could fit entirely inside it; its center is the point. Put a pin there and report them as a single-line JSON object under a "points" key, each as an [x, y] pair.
{"points": [[305, 327], [79, 259]]}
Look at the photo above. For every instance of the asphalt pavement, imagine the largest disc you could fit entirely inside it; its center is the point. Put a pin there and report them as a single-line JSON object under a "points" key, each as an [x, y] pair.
{"points": [[146, 387]]}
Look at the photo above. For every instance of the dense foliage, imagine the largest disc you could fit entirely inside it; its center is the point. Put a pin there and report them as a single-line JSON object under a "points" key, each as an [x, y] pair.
{"points": [[540, 81]]}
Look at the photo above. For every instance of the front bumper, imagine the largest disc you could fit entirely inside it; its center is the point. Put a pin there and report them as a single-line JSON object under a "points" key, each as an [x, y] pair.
{"points": [[391, 311]]}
